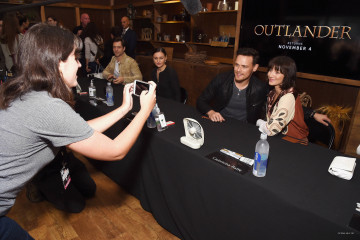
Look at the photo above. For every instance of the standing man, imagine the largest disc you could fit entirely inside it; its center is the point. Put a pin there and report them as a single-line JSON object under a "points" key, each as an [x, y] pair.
{"points": [[129, 35], [122, 68], [84, 20], [237, 94]]}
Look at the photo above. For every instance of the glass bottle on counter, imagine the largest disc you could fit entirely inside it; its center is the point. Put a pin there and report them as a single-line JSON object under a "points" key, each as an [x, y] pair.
{"points": [[92, 90], [160, 119]]}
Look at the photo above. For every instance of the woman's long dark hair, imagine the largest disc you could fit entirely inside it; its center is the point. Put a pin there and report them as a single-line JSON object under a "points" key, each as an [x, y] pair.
{"points": [[91, 31], [40, 53], [287, 66], [10, 31]]}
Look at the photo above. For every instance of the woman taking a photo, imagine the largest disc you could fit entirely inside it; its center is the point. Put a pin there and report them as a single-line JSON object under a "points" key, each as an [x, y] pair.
{"points": [[165, 77], [284, 112], [36, 117]]}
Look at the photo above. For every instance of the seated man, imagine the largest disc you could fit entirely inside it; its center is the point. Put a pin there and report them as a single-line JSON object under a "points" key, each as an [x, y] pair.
{"points": [[240, 95], [122, 68], [237, 94]]}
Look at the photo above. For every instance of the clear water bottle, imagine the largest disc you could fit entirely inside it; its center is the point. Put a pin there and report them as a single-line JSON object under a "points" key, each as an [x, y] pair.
{"points": [[261, 156], [109, 95], [92, 90], [151, 119], [160, 119]]}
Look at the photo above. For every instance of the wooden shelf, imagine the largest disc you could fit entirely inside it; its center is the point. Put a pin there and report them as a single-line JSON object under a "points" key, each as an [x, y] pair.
{"points": [[208, 44], [172, 22], [211, 12], [167, 2], [142, 17], [171, 42]]}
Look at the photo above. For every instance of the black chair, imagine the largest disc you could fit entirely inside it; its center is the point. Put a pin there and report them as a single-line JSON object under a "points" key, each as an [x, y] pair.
{"points": [[184, 95], [320, 133]]}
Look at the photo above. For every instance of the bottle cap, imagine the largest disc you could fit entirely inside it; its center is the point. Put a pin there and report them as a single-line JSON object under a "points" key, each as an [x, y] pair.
{"points": [[263, 136], [109, 83]]}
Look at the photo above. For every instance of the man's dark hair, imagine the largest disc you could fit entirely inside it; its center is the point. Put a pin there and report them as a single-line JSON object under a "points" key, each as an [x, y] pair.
{"points": [[249, 52], [120, 39]]}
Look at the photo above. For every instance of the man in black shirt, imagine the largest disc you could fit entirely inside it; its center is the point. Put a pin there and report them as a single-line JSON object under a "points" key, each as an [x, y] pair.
{"points": [[236, 94]]}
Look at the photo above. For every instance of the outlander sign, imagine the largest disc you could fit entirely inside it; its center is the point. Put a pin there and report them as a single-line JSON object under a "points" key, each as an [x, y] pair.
{"points": [[323, 36], [338, 32]]}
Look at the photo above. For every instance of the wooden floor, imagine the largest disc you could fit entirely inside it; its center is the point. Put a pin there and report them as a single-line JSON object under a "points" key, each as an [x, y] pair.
{"points": [[111, 214]]}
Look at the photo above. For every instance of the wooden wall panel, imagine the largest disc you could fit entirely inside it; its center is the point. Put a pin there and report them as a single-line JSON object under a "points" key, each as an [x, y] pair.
{"points": [[65, 15], [353, 140], [102, 20], [95, 2]]}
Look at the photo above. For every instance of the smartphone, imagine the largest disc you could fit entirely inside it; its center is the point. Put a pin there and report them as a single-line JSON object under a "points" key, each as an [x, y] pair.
{"points": [[140, 86]]}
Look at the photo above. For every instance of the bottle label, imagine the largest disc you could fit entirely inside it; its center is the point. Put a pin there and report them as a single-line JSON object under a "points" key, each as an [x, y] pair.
{"points": [[260, 161], [109, 97], [162, 120]]}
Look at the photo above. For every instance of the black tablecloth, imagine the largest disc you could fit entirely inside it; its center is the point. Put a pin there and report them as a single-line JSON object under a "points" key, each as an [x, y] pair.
{"points": [[196, 198]]}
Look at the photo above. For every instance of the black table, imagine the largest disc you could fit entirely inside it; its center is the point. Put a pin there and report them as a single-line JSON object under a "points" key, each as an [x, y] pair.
{"points": [[196, 198]]}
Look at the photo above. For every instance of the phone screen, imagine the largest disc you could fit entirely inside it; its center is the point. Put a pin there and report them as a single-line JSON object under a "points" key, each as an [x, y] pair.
{"points": [[140, 86]]}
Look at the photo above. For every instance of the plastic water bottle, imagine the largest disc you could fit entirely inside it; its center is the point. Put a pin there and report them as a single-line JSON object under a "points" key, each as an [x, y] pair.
{"points": [[160, 119], [151, 119], [92, 90], [109, 95], [261, 156]]}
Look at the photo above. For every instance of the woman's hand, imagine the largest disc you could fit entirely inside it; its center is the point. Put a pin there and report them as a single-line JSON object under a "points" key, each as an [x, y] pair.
{"points": [[322, 118], [148, 98], [127, 98]]}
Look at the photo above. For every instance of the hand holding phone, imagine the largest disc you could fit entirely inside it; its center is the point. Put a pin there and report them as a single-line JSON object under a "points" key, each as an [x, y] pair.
{"points": [[140, 86]]}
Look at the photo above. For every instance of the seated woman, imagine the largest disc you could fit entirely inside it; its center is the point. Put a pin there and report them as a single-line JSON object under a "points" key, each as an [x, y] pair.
{"points": [[37, 117], [284, 112], [165, 77]]}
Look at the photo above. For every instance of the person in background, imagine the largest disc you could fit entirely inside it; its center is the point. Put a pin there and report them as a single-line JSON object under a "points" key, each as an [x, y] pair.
{"points": [[23, 23], [108, 46], [84, 20], [122, 68], [2, 57], [37, 117], [78, 30], [92, 41], [129, 36], [10, 39], [284, 112], [165, 76], [53, 21]]}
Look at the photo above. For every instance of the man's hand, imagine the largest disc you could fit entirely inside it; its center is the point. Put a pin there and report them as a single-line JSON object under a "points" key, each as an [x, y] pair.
{"points": [[321, 118], [215, 116], [119, 80]]}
